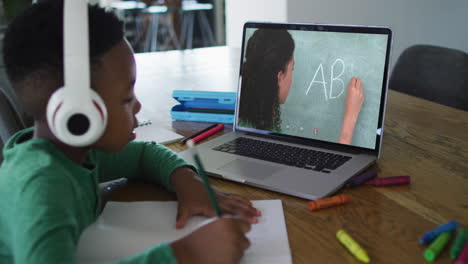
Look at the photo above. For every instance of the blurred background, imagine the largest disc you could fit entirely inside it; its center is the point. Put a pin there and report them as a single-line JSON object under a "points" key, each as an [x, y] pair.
{"points": [[430, 44], [159, 25]]}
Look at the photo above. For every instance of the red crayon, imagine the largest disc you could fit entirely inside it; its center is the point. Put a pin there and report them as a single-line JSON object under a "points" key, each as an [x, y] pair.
{"points": [[198, 133], [390, 181], [329, 202], [463, 257], [208, 133]]}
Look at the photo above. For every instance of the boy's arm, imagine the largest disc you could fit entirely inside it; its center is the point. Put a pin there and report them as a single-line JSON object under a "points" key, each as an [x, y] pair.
{"points": [[47, 218], [140, 160], [45, 226]]}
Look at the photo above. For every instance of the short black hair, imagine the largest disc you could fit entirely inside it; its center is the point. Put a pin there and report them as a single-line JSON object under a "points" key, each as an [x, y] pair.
{"points": [[34, 39], [33, 49]]}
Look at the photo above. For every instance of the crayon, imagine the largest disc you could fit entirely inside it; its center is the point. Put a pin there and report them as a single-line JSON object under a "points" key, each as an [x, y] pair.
{"points": [[352, 246], [431, 235], [457, 246], [208, 133], [463, 258], [436, 246], [198, 133], [328, 202], [390, 181], [361, 179]]}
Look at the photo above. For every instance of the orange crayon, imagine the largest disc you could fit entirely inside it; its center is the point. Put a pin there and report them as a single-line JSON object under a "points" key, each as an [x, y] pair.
{"points": [[329, 202]]}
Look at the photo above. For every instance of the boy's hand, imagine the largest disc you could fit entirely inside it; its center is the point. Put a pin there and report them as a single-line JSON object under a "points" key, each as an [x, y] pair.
{"points": [[194, 200], [221, 241]]}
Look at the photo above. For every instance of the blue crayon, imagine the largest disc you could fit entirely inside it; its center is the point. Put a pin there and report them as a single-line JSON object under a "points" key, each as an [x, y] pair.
{"points": [[361, 179], [431, 235]]}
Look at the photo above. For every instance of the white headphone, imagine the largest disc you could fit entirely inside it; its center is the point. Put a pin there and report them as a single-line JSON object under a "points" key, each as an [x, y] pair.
{"points": [[76, 114]]}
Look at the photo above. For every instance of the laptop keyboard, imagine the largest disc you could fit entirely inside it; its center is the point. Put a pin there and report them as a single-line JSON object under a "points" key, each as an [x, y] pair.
{"points": [[284, 154]]}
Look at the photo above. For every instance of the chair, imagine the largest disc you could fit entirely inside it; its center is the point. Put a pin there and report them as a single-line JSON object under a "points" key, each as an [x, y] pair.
{"points": [[160, 17], [433, 73], [10, 121], [131, 13], [190, 9]]}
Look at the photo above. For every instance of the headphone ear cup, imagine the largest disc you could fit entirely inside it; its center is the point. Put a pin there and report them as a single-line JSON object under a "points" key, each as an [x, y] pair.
{"points": [[74, 122], [76, 114]]}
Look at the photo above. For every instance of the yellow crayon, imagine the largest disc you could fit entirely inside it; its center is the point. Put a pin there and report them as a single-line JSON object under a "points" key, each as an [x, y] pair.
{"points": [[352, 246]]}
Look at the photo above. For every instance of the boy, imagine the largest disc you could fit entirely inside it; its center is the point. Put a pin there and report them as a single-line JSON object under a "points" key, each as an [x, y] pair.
{"points": [[50, 190]]}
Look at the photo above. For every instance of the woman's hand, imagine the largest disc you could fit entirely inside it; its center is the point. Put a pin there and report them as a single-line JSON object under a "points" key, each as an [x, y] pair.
{"points": [[354, 101]]}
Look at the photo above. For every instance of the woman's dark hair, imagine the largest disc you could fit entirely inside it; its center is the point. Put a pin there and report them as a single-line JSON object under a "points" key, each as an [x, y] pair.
{"points": [[268, 52]]}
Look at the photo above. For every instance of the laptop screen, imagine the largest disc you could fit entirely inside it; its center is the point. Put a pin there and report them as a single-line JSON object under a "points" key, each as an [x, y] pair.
{"points": [[321, 82]]}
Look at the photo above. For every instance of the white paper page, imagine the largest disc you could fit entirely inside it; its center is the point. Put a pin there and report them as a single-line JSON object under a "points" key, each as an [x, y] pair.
{"points": [[125, 229], [157, 133]]}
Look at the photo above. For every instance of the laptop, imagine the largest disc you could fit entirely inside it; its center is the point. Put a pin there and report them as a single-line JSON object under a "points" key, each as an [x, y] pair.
{"points": [[299, 128]]}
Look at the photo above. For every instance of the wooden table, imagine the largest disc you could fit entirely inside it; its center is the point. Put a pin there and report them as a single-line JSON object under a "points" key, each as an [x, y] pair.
{"points": [[422, 139]]}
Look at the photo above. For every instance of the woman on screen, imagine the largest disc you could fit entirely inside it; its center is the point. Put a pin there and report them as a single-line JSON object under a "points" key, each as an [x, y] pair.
{"points": [[269, 63]]}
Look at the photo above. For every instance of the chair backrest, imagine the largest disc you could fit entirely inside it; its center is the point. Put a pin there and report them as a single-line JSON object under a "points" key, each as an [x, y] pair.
{"points": [[433, 73], [10, 120]]}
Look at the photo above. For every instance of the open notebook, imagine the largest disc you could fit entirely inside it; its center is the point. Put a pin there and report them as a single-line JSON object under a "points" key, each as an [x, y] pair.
{"points": [[125, 229], [148, 131]]}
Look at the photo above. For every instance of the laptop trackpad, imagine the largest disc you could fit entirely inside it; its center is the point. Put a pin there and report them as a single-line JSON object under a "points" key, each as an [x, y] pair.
{"points": [[251, 169]]}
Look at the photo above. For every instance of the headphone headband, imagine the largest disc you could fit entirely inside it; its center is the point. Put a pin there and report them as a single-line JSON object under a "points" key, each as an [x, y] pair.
{"points": [[76, 48]]}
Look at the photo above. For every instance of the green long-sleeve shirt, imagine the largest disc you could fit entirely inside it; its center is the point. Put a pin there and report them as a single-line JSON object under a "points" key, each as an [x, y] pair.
{"points": [[46, 200]]}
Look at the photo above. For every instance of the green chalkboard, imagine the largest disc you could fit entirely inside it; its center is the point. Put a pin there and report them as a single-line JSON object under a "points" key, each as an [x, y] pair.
{"points": [[324, 64]]}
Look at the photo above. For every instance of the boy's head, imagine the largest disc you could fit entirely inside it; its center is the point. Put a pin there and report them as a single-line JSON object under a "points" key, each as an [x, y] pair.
{"points": [[33, 55]]}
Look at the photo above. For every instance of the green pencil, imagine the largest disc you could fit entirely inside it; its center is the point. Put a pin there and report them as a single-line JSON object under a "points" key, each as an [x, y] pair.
{"points": [[202, 174]]}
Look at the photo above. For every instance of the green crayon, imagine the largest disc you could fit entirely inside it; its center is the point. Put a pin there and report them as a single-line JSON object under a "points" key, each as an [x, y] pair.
{"points": [[457, 246], [436, 247]]}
